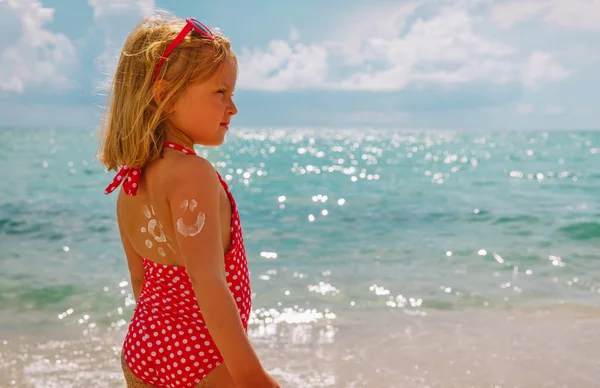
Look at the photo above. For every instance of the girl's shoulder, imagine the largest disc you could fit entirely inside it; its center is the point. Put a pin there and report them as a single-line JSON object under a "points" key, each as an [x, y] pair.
{"points": [[190, 173]]}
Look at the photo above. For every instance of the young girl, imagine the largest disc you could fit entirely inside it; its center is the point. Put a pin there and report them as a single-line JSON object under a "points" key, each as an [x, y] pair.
{"points": [[178, 221]]}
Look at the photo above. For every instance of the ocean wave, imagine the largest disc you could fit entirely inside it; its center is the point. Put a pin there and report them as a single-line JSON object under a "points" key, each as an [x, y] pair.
{"points": [[517, 219], [29, 297], [581, 231]]}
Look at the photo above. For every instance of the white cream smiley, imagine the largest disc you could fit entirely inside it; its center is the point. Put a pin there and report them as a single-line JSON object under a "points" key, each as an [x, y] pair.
{"points": [[190, 230]]}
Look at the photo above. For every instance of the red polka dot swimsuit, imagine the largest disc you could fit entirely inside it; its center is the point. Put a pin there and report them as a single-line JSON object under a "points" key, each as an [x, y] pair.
{"points": [[168, 343]]}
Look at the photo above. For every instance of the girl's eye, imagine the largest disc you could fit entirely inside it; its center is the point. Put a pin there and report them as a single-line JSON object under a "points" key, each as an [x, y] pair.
{"points": [[222, 91]]}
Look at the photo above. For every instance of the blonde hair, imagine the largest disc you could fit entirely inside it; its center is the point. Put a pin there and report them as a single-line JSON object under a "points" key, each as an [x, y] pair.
{"points": [[132, 133]]}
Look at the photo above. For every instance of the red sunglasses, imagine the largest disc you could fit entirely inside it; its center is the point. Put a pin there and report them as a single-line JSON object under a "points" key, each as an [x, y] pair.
{"points": [[190, 24]]}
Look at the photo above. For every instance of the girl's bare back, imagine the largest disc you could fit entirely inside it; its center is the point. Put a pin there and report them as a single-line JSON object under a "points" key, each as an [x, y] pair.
{"points": [[146, 218]]}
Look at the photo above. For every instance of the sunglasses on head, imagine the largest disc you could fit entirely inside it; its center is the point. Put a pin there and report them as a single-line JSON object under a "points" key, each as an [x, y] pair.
{"points": [[190, 24]]}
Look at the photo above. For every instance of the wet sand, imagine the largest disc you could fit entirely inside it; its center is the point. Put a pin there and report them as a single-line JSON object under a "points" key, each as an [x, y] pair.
{"points": [[471, 349], [536, 348]]}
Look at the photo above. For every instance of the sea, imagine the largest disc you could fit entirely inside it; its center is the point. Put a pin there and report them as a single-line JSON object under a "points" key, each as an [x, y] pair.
{"points": [[378, 257]]}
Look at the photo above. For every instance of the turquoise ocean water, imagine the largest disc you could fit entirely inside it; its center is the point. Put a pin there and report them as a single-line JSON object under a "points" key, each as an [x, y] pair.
{"points": [[336, 222]]}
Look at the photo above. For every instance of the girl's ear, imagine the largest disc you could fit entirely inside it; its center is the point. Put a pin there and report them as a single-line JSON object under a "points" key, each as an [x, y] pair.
{"points": [[159, 92]]}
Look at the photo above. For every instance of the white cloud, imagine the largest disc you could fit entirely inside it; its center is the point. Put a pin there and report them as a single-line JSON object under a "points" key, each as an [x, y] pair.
{"points": [[294, 34], [38, 56], [577, 14], [443, 49], [555, 110], [525, 109], [107, 8], [283, 66], [294, 65], [508, 14], [115, 19], [542, 67], [379, 50], [384, 22]]}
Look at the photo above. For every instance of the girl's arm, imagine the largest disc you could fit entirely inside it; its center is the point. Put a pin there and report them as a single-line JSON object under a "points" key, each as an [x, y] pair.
{"points": [[194, 202]]}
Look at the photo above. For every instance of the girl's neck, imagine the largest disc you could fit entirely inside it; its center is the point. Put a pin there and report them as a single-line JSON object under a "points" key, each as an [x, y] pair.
{"points": [[174, 135]]}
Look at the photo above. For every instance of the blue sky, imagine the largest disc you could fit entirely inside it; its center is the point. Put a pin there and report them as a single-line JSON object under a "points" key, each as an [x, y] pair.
{"points": [[466, 64]]}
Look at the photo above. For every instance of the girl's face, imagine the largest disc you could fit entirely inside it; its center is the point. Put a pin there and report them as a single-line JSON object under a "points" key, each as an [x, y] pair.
{"points": [[204, 109]]}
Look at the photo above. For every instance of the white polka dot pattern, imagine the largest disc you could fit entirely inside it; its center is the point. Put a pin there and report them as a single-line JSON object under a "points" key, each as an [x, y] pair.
{"points": [[168, 343], [129, 185]]}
